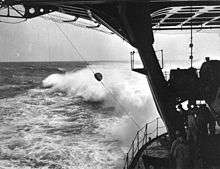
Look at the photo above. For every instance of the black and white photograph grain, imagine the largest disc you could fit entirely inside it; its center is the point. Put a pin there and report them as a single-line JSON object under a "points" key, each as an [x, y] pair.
{"points": [[109, 84]]}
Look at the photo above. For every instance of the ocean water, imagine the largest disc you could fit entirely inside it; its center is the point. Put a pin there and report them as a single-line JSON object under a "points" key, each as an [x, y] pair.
{"points": [[57, 115]]}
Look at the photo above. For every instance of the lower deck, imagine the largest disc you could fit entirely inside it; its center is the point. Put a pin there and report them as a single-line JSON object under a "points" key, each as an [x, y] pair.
{"points": [[156, 154]]}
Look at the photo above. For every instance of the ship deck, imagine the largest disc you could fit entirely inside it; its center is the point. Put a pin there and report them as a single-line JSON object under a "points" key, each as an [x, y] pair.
{"points": [[135, 21]]}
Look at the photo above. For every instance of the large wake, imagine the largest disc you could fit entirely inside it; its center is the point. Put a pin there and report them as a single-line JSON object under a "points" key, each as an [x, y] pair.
{"points": [[75, 121], [127, 92]]}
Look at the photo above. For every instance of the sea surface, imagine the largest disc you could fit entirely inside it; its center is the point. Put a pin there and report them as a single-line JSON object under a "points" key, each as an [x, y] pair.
{"points": [[58, 116]]}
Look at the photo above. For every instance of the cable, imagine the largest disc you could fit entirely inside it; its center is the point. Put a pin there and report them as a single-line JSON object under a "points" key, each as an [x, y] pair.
{"points": [[109, 91], [103, 85], [73, 46], [48, 47]]}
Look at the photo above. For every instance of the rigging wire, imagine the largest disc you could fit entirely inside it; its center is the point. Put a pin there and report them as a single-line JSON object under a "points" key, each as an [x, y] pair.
{"points": [[74, 47], [103, 85], [120, 105], [49, 47]]}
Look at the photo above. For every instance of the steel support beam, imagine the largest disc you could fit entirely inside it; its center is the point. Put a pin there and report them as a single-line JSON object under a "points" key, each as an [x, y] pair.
{"points": [[139, 28]]}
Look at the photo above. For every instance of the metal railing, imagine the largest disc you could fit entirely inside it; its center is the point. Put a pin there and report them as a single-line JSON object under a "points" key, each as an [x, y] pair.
{"points": [[160, 59], [151, 130]]}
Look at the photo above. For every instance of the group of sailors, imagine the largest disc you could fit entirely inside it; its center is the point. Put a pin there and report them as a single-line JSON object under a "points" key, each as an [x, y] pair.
{"points": [[198, 123]]}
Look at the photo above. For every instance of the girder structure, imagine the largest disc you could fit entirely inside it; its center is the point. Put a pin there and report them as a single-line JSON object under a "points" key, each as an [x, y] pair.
{"points": [[183, 17], [165, 14]]}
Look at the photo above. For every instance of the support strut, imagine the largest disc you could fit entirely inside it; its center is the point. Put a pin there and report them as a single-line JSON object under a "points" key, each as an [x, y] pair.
{"points": [[137, 20]]}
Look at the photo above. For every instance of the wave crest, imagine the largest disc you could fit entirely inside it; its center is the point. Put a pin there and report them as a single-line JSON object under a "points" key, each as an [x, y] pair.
{"points": [[79, 84], [127, 92]]}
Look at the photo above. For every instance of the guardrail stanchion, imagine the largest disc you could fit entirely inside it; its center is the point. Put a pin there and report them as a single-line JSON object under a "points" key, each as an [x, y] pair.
{"points": [[127, 160], [157, 127], [132, 149], [138, 140], [145, 134]]}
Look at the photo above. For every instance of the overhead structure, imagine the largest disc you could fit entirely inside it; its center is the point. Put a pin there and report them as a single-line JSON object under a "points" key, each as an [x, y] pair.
{"points": [[134, 21], [165, 14], [182, 17]]}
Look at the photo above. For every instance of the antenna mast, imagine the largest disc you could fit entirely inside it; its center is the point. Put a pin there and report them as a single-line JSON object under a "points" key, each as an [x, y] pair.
{"points": [[191, 42]]}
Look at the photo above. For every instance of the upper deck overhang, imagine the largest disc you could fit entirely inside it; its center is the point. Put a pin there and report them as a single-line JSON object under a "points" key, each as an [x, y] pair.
{"points": [[165, 14]]}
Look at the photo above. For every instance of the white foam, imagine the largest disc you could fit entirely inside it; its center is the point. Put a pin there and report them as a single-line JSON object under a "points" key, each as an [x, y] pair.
{"points": [[40, 109], [125, 90], [128, 92], [80, 83]]}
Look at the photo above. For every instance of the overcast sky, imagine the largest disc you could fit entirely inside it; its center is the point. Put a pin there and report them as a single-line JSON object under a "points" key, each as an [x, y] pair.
{"points": [[40, 40]]}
